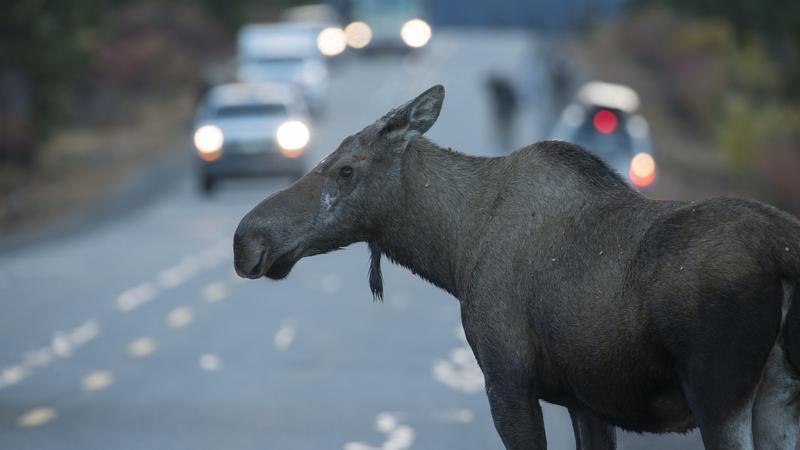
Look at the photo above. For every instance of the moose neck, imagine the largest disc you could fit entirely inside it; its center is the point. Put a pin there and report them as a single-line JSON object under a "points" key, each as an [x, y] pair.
{"points": [[434, 215]]}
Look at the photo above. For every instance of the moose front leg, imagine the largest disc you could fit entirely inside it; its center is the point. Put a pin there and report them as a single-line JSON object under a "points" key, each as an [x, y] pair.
{"points": [[516, 413], [592, 433], [510, 387]]}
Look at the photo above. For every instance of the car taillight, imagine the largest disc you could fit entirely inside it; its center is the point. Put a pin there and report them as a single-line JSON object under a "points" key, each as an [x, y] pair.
{"points": [[605, 121], [643, 170]]}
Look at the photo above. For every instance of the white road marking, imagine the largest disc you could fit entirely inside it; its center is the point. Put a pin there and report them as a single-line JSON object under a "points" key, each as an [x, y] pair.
{"points": [[62, 345], [136, 296], [189, 266], [180, 317], [398, 436], [12, 375], [210, 362], [178, 274], [284, 337], [331, 283], [460, 371], [37, 416], [459, 416], [385, 422], [214, 292], [141, 347], [97, 381], [398, 301]]}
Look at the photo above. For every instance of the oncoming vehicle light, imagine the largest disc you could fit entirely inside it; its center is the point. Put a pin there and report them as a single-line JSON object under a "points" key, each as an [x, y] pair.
{"points": [[415, 33], [331, 41], [643, 170], [208, 140], [358, 34], [292, 137]]}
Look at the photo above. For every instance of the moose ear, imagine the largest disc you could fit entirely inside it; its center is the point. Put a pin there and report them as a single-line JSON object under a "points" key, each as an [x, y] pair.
{"points": [[415, 117]]}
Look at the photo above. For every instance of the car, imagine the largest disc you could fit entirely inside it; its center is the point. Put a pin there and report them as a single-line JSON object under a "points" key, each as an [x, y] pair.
{"points": [[384, 25], [244, 129], [603, 120], [284, 52]]}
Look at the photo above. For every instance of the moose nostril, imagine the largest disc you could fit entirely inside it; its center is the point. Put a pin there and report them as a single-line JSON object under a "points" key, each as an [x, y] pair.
{"points": [[256, 270], [249, 253]]}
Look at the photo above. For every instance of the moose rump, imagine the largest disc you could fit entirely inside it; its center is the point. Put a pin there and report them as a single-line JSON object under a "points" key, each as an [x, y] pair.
{"points": [[717, 279]]}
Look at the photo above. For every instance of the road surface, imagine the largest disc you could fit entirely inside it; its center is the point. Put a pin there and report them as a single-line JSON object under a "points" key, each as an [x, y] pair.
{"points": [[136, 333]]}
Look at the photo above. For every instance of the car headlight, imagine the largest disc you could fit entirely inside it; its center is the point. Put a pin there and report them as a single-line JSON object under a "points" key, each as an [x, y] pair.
{"points": [[208, 140], [358, 34], [331, 41], [292, 137], [643, 170], [415, 33]]}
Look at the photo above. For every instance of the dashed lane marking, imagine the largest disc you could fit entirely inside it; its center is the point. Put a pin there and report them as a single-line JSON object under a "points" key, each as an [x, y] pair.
{"points": [[214, 292], [188, 267], [398, 436], [97, 381], [460, 371], [132, 298], [210, 362], [141, 347], [180, 317], [331, 283], [37, 417], [62, 345], [458, 416], [284, 337]]}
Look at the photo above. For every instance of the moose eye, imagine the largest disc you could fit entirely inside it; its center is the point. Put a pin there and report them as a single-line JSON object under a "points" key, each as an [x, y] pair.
{"points": [[346, 172]]}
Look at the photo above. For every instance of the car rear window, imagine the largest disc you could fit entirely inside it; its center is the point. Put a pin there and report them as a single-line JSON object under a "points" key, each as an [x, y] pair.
{"points": [[611, 141], [261, 109]]}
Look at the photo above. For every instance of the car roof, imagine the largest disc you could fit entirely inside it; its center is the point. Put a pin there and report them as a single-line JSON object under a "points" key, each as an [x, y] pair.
{"points": [[249, 93], [321, 13], [287, 39], [609, 95]]}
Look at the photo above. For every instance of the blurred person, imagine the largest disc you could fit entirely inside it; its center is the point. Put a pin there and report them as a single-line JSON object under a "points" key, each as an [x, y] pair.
{"points": [[504, 101], [16, 140]]}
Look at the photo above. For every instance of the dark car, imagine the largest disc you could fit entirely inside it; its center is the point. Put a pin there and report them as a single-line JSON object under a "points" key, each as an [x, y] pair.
{"points": [[603, 120]]}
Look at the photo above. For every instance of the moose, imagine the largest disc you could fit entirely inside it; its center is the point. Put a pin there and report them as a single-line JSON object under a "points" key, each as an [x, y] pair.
{"points": [[650, 316]]}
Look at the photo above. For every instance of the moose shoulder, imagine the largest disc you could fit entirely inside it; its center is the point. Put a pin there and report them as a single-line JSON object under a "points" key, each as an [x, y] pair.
{"points": [[647, 315]]}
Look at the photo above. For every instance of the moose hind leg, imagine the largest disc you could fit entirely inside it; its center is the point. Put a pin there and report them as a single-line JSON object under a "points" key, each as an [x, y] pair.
{"points": [[728, 429], [776, 413]]}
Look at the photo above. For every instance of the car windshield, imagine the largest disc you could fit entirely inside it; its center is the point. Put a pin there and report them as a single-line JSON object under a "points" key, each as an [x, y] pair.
{"points": [[278, 69], [250, 110], [380, 7]]}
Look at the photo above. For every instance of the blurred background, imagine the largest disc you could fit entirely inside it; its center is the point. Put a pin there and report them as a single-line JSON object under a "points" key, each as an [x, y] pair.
{"points": [[135, 134]]}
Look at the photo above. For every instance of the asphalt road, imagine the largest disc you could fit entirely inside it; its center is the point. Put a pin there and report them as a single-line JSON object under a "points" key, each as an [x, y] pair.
{"points": [[136, 333]]}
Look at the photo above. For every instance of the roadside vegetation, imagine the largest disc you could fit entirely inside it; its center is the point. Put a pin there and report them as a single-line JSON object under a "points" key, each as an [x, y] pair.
{"points": [[93, 89], [729, 72]]}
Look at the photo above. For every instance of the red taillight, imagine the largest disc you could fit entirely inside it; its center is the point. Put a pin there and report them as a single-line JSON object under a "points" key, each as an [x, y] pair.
{"points": [[605, 121]]}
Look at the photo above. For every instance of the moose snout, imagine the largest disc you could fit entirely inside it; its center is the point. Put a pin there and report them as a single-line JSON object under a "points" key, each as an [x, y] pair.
{"points": [[249, 254]]}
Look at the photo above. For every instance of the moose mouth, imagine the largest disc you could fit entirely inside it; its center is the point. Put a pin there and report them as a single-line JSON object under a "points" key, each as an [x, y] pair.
{"points": [[281, 267], [276, 269]]}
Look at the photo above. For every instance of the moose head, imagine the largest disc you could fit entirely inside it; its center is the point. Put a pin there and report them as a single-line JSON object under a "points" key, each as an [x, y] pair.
{"points": [[339, 202]]}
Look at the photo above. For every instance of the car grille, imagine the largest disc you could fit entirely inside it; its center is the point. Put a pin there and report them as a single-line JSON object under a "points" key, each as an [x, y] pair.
{"points": [[251, 147]]}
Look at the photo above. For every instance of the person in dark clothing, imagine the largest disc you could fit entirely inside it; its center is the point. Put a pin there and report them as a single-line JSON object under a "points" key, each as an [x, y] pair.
{"points": [[503, 97]]}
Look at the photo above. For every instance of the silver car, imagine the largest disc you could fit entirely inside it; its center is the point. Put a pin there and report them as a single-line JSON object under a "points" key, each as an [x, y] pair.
{"points": [[250, 129], [284, 53]]}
